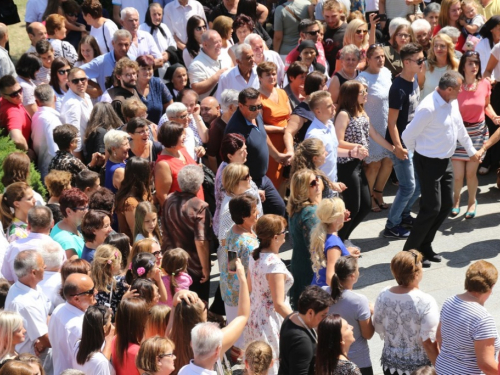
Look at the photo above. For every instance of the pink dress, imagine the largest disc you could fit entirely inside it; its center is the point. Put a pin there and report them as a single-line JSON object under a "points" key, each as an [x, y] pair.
{"points": [[184, 281]]}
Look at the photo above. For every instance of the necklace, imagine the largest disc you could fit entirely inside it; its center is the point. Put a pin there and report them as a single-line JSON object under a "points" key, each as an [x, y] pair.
{"points": [[472, 87], [311, 331], [346, 75]]}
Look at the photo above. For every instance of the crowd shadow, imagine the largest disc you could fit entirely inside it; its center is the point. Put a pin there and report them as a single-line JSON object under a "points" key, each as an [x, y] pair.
{"points": [[373, 274], [468, 254]]}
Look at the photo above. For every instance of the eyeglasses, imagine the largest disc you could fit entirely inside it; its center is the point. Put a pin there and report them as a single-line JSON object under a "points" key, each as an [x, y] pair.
{"points": [[471, 53], [253, 108], [312, 33], [90, 292], [364, 92], [314, 182], [76, 81], [143, 132], [419, 61], [80, 208], [199, 28], [71, 14], [284, 232], [165, 355], [246, 178], [183, 117], [62, 72], [359, 32], [157, 253], [15, 94], [403, 35]]}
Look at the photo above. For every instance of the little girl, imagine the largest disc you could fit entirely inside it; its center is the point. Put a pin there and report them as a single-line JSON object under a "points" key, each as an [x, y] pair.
{"points": [[146, 222], [174, 266], [258, 358], [471, 21], [143, 266]]}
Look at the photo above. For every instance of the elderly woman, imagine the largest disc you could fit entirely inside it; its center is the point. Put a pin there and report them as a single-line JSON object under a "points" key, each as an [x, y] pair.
{"points": [[56, 31], [241, 239], [190, 99], [405, 314], [140, 143], [171, 160], [152, 91], [349, 60], [357, 33], [56, 182], [262, 54], [305, 194], [117, 145], [178, 80], [400, 35], [156, 356], [276, 111], [449, 15], [467, 333], [422, 31]]}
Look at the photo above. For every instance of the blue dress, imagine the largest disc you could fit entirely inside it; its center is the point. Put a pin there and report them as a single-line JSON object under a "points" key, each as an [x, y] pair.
{"points": [[110, 171], [157, 97], [332, 241]]}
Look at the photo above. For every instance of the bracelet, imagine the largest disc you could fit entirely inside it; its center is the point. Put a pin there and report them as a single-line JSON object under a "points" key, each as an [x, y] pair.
{"points": [[349, 154]]}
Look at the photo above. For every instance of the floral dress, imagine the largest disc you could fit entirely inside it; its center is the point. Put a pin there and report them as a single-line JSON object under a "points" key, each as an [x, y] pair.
{"points": [[265, 322], [102, 297], [17, 229]]}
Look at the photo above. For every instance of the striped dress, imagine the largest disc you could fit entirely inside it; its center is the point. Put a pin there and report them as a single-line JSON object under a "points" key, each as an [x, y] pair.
{"points": [[462, 323]]}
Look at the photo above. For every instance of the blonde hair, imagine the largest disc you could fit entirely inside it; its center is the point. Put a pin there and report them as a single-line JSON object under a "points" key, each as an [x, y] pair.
{"points": [[258, 356], [141, 211], [131, 107], [142, 246], [10, 322], [158, 320], [350, 33], [451, 60], [223, 25], [329, 211], [232, 175], [106, 259], [299, 191]]}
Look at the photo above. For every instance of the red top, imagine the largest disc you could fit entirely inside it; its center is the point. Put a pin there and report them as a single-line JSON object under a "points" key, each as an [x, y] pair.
{"points": [[175, 166], [14, 116], [460, 42], [472, 103], [127, 367]]}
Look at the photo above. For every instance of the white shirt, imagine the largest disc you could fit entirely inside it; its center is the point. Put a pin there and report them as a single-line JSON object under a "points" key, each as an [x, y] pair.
{"points": [[203, 67], [34, 307], [232, 79], [65, 329], [43, 123], [435, 129], [192, 369], [35, 10], [34, 241], [98, 364], [104, 35], [327, 134], [146, 45], [6, 64], [495, 51], [28, 90], [274, 57], [64, 49], [175, 16], [51, 286], [76, 110]]}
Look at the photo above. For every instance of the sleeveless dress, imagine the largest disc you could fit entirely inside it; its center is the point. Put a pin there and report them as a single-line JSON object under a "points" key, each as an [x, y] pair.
{"points": [[111, 167], [432, 79]]}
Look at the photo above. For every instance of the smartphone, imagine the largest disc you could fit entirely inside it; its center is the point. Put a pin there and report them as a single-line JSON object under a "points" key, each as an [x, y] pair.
{"points": [[231, 261], [382, 17]]}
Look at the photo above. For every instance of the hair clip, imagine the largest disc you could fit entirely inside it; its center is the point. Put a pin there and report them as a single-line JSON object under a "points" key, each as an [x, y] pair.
{"points": [[109, 261], [116, 254], [13, 211], [173, 273], [141, 271]]}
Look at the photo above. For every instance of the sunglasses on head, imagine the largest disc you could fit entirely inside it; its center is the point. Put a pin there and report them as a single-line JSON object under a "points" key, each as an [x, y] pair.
{"points": [[471, 53], [63, 71], [199, 28], [16, 93], [361, 32], [314, 182], [76, 81], [253, 108], [376, 45], [89, 292]]}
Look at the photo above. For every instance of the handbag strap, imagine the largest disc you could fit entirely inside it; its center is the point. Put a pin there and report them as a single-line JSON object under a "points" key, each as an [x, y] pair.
{"points": [[292, 13]]}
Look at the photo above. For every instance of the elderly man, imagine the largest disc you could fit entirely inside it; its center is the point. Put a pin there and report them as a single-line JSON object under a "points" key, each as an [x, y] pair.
{"points": [[101, 68], [65, 326], [260, 54], [13, 115], [142, 42], [247, 121], [308, 30], [432, 135], [243, 75], [189, 221], [208, 66], [44, 121], [36, 32], [229, 104], [53, 256], [209, 110], [40, 222], [6, 64], [141, 6], [176, 15], [26, 298]]}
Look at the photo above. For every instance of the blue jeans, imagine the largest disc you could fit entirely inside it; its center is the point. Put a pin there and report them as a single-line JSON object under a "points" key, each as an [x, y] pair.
{"points": [[408, 191]]}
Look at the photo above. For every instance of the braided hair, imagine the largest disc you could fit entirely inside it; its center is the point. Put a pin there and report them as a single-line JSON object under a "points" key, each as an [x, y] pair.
{"points": [[258, 358]]}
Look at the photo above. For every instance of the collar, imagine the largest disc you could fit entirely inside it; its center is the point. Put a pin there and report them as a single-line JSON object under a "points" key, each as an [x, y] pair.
{"points": [[178, 4], [253, 71], [25, 288], [112, 55], [200, 370], [18, 222], [140, 35], [3, 49], [328, 126], [73, 309], [208, 57], [37, 236], [49, 109], [439, 99]]}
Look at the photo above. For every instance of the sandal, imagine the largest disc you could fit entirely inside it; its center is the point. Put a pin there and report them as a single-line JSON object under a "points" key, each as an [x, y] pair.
{"points": [[382, 205]]}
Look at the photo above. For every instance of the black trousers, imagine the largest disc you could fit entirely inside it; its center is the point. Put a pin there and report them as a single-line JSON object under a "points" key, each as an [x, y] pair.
{"points": [[356, 197], [436, 201], [203, 290], [274, 203], [493, 154]]}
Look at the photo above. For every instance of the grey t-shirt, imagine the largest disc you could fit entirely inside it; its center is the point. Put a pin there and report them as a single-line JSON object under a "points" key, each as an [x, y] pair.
{"points": [[354, 307], [288, 23]]}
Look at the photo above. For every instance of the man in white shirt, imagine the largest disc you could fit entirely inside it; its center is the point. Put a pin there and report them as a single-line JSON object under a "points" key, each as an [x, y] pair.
{"points": [[142, 42], [140, 5], [40, 222], [260, 54], [65, 326], [43, 123], [53, 256], [208, 66], [26, 298], [77, 105], [242, 75], [433, 135], [177, 13], [34, 11], [36, 32], [6, 64]]}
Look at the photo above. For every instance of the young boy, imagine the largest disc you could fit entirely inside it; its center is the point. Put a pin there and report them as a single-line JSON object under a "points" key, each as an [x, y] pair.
{"points": [[88, 182], [45, 52]]}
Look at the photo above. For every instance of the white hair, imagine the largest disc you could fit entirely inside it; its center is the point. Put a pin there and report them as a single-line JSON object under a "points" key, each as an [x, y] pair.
{"points": [[114, 138], [126, 11], [421, 25], [206, 338], [207, 35], [52, 254], [25, 262], [238, 51], [395, 23], [228, 97], [251, 37], [122, 33], [451, 31], [190, 178], [175, 108]]}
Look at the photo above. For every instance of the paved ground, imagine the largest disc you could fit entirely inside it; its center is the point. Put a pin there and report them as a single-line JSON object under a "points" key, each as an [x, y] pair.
{"points": [[459, 241]]}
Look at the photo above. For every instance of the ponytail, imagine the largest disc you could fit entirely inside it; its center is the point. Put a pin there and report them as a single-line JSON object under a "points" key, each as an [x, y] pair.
{"points": [[13, 193], [344, 267], [266, 228], [173, 263]]}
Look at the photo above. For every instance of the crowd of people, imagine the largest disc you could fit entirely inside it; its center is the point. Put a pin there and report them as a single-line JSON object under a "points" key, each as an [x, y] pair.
{"points": [[169, 134]]}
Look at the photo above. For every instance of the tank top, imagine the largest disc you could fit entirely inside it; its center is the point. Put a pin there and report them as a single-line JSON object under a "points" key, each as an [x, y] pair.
{"points": [[111, 167]]}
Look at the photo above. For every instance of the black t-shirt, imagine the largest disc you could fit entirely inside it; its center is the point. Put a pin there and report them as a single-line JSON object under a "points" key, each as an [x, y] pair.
{"points": [[403, 96], [297, 350], [333, 41]]}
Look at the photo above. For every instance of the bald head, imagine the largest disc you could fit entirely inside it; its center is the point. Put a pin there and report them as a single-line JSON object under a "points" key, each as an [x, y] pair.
{"points": [[4, 34], [36, 32], [212, 43], [209, 109]]}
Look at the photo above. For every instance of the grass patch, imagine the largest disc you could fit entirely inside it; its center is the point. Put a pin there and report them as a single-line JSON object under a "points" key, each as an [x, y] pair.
{"points": [[18, 38]]}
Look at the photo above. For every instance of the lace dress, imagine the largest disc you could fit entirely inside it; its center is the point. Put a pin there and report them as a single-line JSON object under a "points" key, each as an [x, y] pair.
{"points": [[377, 108], [265, 323], [346, 368]]}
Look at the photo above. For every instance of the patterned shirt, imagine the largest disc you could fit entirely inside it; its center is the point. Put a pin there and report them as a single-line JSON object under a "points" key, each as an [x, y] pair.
{"points": [[65, 161], [17, 230]]}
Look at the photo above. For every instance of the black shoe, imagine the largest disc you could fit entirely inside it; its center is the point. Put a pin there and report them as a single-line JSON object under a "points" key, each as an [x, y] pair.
{"points": [[426, 263], [408, 221], [435, 258]]}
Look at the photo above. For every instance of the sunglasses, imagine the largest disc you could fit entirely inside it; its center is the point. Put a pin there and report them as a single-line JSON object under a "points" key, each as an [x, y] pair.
{"points": [[364, 92], [376, 45], [415, 255], [15, 94], [199, 28], [419, 61], [72, 14], [314, 182], [80, 208], [313, 33], [165, 355], [361, 32], [284, 232], [471, 53], [76, 81], [253, 108], [246, 178], [90, 292], [63, 71], [157, 253]]}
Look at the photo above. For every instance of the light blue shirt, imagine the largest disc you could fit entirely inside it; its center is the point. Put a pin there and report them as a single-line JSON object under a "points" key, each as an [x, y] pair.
{"points": [[326, 133], [100, 68]]}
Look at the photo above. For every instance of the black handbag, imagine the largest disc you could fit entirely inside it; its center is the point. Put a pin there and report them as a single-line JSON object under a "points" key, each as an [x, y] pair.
{"points": [[8, 13]]}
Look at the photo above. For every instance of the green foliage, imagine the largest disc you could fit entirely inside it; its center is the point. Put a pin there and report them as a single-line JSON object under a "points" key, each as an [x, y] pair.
{"points": [[6, 148]]}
